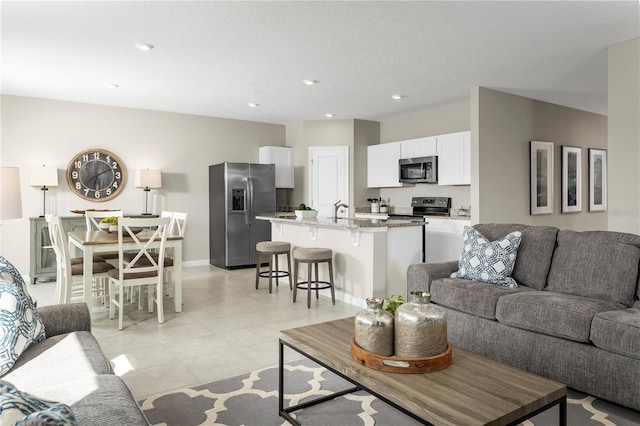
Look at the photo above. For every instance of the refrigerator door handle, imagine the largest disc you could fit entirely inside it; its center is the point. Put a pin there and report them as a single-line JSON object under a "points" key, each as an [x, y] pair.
{"points": [[249, 212]]}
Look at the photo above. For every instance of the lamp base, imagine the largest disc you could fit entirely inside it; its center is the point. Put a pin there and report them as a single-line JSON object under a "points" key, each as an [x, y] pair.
{"points": [[146, 214]]}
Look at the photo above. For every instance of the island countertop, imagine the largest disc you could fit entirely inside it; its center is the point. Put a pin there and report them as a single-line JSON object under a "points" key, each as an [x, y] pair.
{"points": [[343, 223]]}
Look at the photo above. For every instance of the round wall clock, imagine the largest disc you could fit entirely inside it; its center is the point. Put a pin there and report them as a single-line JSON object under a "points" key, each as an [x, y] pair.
{"points": [[96, 175]]}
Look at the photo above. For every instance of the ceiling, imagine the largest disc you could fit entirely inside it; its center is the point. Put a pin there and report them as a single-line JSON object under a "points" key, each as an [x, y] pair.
{"points": [[214, 57]]}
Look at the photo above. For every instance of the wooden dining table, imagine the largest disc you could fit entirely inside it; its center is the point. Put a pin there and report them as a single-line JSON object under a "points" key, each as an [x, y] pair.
{"points": [[92, 242]]}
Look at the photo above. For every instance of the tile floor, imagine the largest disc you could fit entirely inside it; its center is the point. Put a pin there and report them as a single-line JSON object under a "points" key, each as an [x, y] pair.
{"points": [[226, 328]]}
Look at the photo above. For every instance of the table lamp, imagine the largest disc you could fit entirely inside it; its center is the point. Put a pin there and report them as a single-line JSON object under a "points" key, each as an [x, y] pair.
{"points": [[11, 200], [148, 179], [44, 177]]}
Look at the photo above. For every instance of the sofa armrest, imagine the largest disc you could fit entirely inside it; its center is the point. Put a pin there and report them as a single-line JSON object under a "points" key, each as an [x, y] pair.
{"points": [[420, 275], [65, 318]]}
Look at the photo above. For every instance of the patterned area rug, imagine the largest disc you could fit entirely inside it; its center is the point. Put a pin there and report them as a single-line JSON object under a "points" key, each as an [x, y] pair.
{"points": [[252, 399]]}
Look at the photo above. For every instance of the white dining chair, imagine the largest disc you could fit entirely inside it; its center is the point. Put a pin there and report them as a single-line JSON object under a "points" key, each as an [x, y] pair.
{"points": [[69, 276], [177, 226], [93, 218], [142, 269]]}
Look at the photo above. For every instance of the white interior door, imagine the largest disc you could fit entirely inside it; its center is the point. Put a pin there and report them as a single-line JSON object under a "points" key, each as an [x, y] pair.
{"points": [[328, 178]]}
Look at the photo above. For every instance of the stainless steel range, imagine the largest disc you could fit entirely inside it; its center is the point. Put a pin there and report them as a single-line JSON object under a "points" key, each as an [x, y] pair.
{"points": [[426, 206]]}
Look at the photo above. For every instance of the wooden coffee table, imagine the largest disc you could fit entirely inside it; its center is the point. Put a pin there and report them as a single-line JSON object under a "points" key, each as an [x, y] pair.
{"points": [[473, 390]]}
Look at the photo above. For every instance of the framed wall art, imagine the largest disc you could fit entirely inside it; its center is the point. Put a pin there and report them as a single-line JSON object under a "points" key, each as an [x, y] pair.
{"points": [[597, 180], [571, 185], [541, 177]]}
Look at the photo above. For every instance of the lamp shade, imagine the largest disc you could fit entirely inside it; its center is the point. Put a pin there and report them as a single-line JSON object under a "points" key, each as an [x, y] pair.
{"points": [[44, 176], [11, 201], [148, 178]]}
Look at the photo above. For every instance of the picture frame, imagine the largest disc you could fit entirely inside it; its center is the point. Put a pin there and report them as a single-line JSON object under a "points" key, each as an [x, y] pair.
{"points": [[571, 183], [597, 179], [541, 177]]}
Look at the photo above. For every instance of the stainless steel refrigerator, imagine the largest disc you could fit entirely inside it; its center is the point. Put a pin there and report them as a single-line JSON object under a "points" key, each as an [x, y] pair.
{"points": [[237, 193]]}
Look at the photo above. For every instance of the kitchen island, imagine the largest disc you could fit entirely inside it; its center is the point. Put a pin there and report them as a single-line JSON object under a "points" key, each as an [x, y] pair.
{"points": [[370, 257]]}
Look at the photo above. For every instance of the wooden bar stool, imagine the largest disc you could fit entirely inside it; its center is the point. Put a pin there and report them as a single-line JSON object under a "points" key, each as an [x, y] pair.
{"points": [[272, 249], [312, 257]]}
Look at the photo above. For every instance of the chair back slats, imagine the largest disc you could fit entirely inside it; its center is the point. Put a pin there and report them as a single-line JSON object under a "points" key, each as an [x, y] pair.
{"points": [[57, 236], [92, 218], [178, 223], [142, 261]]}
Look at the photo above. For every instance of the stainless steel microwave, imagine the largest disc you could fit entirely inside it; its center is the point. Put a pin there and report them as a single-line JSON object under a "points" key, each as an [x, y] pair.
{"points": [[419, 170]]}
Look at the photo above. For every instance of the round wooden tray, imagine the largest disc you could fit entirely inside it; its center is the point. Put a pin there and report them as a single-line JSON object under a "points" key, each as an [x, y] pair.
{"points": [[394, 364]]}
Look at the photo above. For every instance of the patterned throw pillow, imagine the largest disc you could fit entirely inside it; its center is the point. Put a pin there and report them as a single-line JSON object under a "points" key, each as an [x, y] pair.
{"points": [[488, 261], [20, 324], [20, 408]]}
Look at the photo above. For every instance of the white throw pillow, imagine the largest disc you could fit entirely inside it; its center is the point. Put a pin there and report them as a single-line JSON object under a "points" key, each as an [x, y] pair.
{"points": [[20, 324], [488, 261]]}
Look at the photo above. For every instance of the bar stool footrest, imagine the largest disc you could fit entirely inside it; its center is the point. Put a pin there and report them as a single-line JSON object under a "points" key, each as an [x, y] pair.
{"points": [[320, 285], [274, 274]]}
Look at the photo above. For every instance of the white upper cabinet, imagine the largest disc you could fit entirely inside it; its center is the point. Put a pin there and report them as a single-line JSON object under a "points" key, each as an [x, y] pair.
{"points": [[421, 147], [282, 157], [382, 165], [454, 158]]}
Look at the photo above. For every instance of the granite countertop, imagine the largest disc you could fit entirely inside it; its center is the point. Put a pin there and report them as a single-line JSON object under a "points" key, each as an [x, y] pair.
{"points": [[345, 223]]}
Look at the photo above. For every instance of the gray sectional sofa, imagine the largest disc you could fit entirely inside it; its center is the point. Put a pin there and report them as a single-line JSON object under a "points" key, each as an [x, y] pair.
{"points": [[574, 317], [69, 367]]}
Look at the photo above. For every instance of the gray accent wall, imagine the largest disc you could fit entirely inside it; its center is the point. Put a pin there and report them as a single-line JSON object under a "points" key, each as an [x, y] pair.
{"points": [[502, 127], [624, 136]]}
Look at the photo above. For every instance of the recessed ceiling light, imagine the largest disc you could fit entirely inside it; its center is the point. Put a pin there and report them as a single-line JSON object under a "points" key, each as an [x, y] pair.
{"points": [[310, 82], [253, 105], [145, 47], [397, 97], [329, 115], [112, 86]]}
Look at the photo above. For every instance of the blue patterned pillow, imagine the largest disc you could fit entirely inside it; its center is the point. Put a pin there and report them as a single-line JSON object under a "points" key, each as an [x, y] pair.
{"points": [[20, 408], [488, 261], [20, 324]]}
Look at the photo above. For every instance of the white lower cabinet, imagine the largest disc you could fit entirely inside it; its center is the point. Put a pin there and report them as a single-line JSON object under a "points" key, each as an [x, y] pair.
{"points": [[382, 165], [443, 239]]}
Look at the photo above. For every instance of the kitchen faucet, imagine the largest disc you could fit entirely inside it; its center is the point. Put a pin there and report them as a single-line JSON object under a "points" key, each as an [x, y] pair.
{"points": [[336, 206]]}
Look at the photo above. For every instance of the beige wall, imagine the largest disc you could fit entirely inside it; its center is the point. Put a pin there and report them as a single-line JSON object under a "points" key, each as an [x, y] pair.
{"points": [[449, 119], [624, 136], [502, 127], [355, 134], [40, 131]]}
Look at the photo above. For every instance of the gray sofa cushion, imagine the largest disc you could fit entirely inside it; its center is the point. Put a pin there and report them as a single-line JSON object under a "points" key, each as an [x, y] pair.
{"points": [[596, 264], [618, 331], [58, 359], [534, 253], [102, 400], [472, 297], [560, 315]]}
